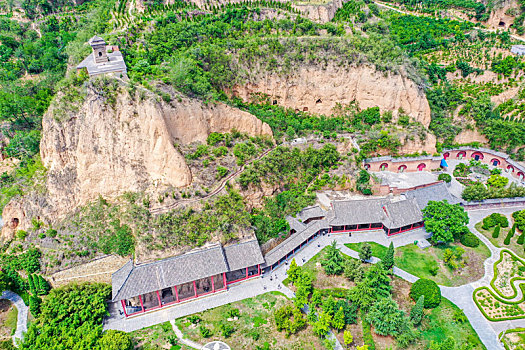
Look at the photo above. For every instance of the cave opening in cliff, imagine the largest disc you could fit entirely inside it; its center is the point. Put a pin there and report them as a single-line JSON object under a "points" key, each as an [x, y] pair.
{"points": [[15, 222], [319, 101], [274, 102], [501, 24], [305, 109]]}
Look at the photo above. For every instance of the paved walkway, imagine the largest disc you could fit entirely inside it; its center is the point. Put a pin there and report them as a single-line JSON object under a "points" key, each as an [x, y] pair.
{"points": [[21, 326], [180, 336], [461, 296]]}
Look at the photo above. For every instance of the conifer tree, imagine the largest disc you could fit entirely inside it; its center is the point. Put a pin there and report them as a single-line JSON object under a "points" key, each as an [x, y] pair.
{"points": [[293, 271], [416, 314], [388, 259], [365, 253], [339, 319]]}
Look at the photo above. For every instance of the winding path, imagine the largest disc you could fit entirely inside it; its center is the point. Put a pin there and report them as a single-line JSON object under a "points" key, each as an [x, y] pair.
{"points": [[21, 326], [461, 296]]}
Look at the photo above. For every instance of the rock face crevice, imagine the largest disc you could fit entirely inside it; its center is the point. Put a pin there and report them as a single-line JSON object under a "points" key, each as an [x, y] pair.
{"points": [[318, 90]]}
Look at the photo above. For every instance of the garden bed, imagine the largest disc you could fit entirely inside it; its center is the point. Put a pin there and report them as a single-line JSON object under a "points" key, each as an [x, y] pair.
{"points": [[498, 304], [160, 336], [513, 339], [498, 242], [422, 262], [8, 319], [255, 326]]}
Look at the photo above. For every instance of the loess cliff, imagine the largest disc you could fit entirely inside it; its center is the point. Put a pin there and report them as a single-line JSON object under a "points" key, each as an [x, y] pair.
{"points": [[107, 150], [319, 89]]}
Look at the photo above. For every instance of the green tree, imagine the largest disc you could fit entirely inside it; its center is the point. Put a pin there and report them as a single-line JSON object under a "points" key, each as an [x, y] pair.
{"points": [[293, 271], [497, 181], [322, 326], [445, 221], [338, 321], [388, 259], [348, 338], [416, 314], [333, 261], [365, 253], [386, 317], [115, 340]]}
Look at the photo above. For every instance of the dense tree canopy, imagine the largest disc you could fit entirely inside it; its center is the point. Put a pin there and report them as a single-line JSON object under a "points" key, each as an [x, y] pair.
{"points": [[445, 221]]}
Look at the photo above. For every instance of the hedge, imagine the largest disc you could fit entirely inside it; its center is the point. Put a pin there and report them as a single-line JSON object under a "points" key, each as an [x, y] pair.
{"points": [[429, 289], [469, 240], [368, 339], [498, 299], [509, 235], [512, 280], [495, 234]]}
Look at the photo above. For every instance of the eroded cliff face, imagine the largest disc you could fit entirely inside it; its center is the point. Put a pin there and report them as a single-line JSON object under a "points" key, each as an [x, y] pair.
{"points": [[318, 90], [190, 120], [107, 151], [103, 150]]}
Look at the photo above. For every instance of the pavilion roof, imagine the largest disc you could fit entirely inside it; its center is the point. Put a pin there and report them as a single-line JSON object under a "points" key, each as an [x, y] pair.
{"points": [[437, 192], [355, 212], [243, 255], [311, 212]]}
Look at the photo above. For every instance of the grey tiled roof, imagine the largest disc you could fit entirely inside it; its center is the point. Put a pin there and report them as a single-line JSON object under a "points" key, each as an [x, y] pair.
{"points": [[402, 213], [243, 255], [96, 40], [115, 64], [130, 281], [437, 192], [311, 212], [171, 272], [293, 242], [295, 224], [120, 276], [358, 211]]}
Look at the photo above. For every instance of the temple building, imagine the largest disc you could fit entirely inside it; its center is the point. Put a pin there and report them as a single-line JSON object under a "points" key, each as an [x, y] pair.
{"points": [[141, 288], [105, 59]]}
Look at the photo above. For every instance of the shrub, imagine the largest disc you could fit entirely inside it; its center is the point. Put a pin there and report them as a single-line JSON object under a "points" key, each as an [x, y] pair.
{"points": [[469, 240], [429, 289], [495, 233], [21, 234], [205, 332], [445, 177], [51, 233], [221, 172], [226, 329], [509, 235], [521, 238], [495, 219], [34, 305]]}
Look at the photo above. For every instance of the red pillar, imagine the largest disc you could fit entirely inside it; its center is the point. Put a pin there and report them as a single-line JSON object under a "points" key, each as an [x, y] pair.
{"points": [[369, 225], [124, 307], [141, 304], [212, 284], [195, 288], [258, 269], [176, 294], [158, 296], [246, 272], [224, 279]]}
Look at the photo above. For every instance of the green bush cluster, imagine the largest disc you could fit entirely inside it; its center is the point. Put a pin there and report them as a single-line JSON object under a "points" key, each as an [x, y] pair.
{"points": [[495, 219], [445, 177], [519, 219], [429, 289], [469, 240]]}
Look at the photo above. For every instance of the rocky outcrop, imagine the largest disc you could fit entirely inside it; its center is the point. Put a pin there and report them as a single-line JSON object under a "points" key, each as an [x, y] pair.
{"points": [[321, 13], [190, 120], [469, 136], [108, 151], [417, 145], [102, 150], [318, 90]]}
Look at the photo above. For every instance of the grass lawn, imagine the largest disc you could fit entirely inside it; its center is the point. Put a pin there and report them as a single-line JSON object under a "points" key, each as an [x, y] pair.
{"points": [[439, 323], [160, 336], [420, 262], [254, 328], [498, 242]]}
